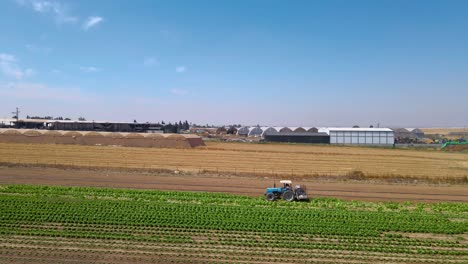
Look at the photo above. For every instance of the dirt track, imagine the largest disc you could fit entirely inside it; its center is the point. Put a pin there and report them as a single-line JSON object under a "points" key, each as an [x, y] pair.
{"points": [[252, 186]]}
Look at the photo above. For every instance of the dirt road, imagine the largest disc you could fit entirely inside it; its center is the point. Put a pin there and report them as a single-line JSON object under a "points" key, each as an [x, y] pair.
{"points": [[252, 186]]}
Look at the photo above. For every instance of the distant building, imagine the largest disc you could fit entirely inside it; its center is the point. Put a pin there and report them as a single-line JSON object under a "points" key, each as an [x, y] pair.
{"points": [[7, 122], [243, 131], [408, 135], [256, 131], [416, 132], [360, 136], [298, 137], [221, 130], [402, 133], [332, 135], [104, 126]]}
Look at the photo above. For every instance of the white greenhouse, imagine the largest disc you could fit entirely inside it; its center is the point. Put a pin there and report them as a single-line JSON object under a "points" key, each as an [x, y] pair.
{"points": [[243, 131], [361, 136], [256, 131]]}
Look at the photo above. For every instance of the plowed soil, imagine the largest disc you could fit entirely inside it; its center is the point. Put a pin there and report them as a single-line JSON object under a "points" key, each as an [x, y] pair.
{"points": [[252, 186]]}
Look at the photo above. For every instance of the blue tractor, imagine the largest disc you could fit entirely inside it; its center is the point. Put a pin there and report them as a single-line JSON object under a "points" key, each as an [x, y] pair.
{"points": [[298, 193]]}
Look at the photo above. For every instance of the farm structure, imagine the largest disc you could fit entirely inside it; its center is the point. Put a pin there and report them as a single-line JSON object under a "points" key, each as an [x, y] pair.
{"points": [[151, 140], [243, 131], [75, 125], [360, 136], [299, 137], [408, 133], [327, 135], [258, 131]]}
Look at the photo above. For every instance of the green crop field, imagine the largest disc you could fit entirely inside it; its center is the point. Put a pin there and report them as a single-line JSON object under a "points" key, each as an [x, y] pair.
{"points": [[92, 225]]}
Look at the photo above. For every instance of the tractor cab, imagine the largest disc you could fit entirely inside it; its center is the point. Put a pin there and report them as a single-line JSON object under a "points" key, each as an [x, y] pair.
{"points": [[287, 192], [286, 184]]}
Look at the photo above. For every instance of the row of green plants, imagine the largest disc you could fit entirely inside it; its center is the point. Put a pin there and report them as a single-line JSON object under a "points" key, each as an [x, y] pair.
{"points": [[229, 199], [238, 222]]}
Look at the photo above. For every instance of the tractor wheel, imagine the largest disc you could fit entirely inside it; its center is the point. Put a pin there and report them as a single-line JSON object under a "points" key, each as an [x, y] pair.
{"points": [[288, 196], [270, 197]]}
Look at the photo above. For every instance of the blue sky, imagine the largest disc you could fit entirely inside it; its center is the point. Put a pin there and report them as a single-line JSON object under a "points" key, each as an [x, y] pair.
{"points": [[318, 63]]}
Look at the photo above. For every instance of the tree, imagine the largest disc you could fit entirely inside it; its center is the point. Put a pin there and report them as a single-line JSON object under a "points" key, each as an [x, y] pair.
{"points": [[81, 118], [355, 126]]}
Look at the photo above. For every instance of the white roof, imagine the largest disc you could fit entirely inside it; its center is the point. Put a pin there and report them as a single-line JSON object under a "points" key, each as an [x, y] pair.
{"points": [[286, 181], [369, 129], [65, 121], [7, 120]]}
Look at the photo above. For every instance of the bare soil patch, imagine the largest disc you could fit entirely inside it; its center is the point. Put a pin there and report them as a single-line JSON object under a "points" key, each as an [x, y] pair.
{"points": [[252, 186]]}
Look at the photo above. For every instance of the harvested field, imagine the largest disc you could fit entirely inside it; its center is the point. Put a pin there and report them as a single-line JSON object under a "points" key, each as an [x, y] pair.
{"points": [[444, 131], [253, 160], [100, 138]]}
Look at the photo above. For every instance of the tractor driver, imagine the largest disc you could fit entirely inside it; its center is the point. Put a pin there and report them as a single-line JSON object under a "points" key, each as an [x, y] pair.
{"points": [[286, 186]]}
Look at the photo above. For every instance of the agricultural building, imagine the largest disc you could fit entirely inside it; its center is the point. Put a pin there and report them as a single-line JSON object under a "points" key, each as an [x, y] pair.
{"points": [[408, 135], [311, 129], [270, 131], [416, 132], [7, 122], [150, 140], [402, 133], [285, 130], [88, 125], [298, 137], [256, 131], [243, 131], [231, 131], [360, 136], [221, 130]]}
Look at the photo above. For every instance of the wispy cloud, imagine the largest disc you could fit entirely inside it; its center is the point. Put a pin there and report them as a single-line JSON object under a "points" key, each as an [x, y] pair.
{"points": [[26, 90], [89, 69], [10, 68], [179, 91], [181, 69], [150, 61], [38, 49], [57, 9], [92, 21]]}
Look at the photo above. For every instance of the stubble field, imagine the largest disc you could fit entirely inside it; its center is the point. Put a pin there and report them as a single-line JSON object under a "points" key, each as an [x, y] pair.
{"points": [[250, 159]]}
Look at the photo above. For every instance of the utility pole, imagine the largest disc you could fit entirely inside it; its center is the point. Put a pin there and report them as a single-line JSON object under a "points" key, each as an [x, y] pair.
{"points": [[17, 116]]}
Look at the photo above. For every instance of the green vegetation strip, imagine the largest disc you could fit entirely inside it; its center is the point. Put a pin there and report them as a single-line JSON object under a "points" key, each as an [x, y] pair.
{"points": [[228, 224]]}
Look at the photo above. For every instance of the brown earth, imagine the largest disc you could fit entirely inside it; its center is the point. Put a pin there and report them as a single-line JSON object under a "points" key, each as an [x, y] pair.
{"points": [[252, 159], [252, 186]]}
